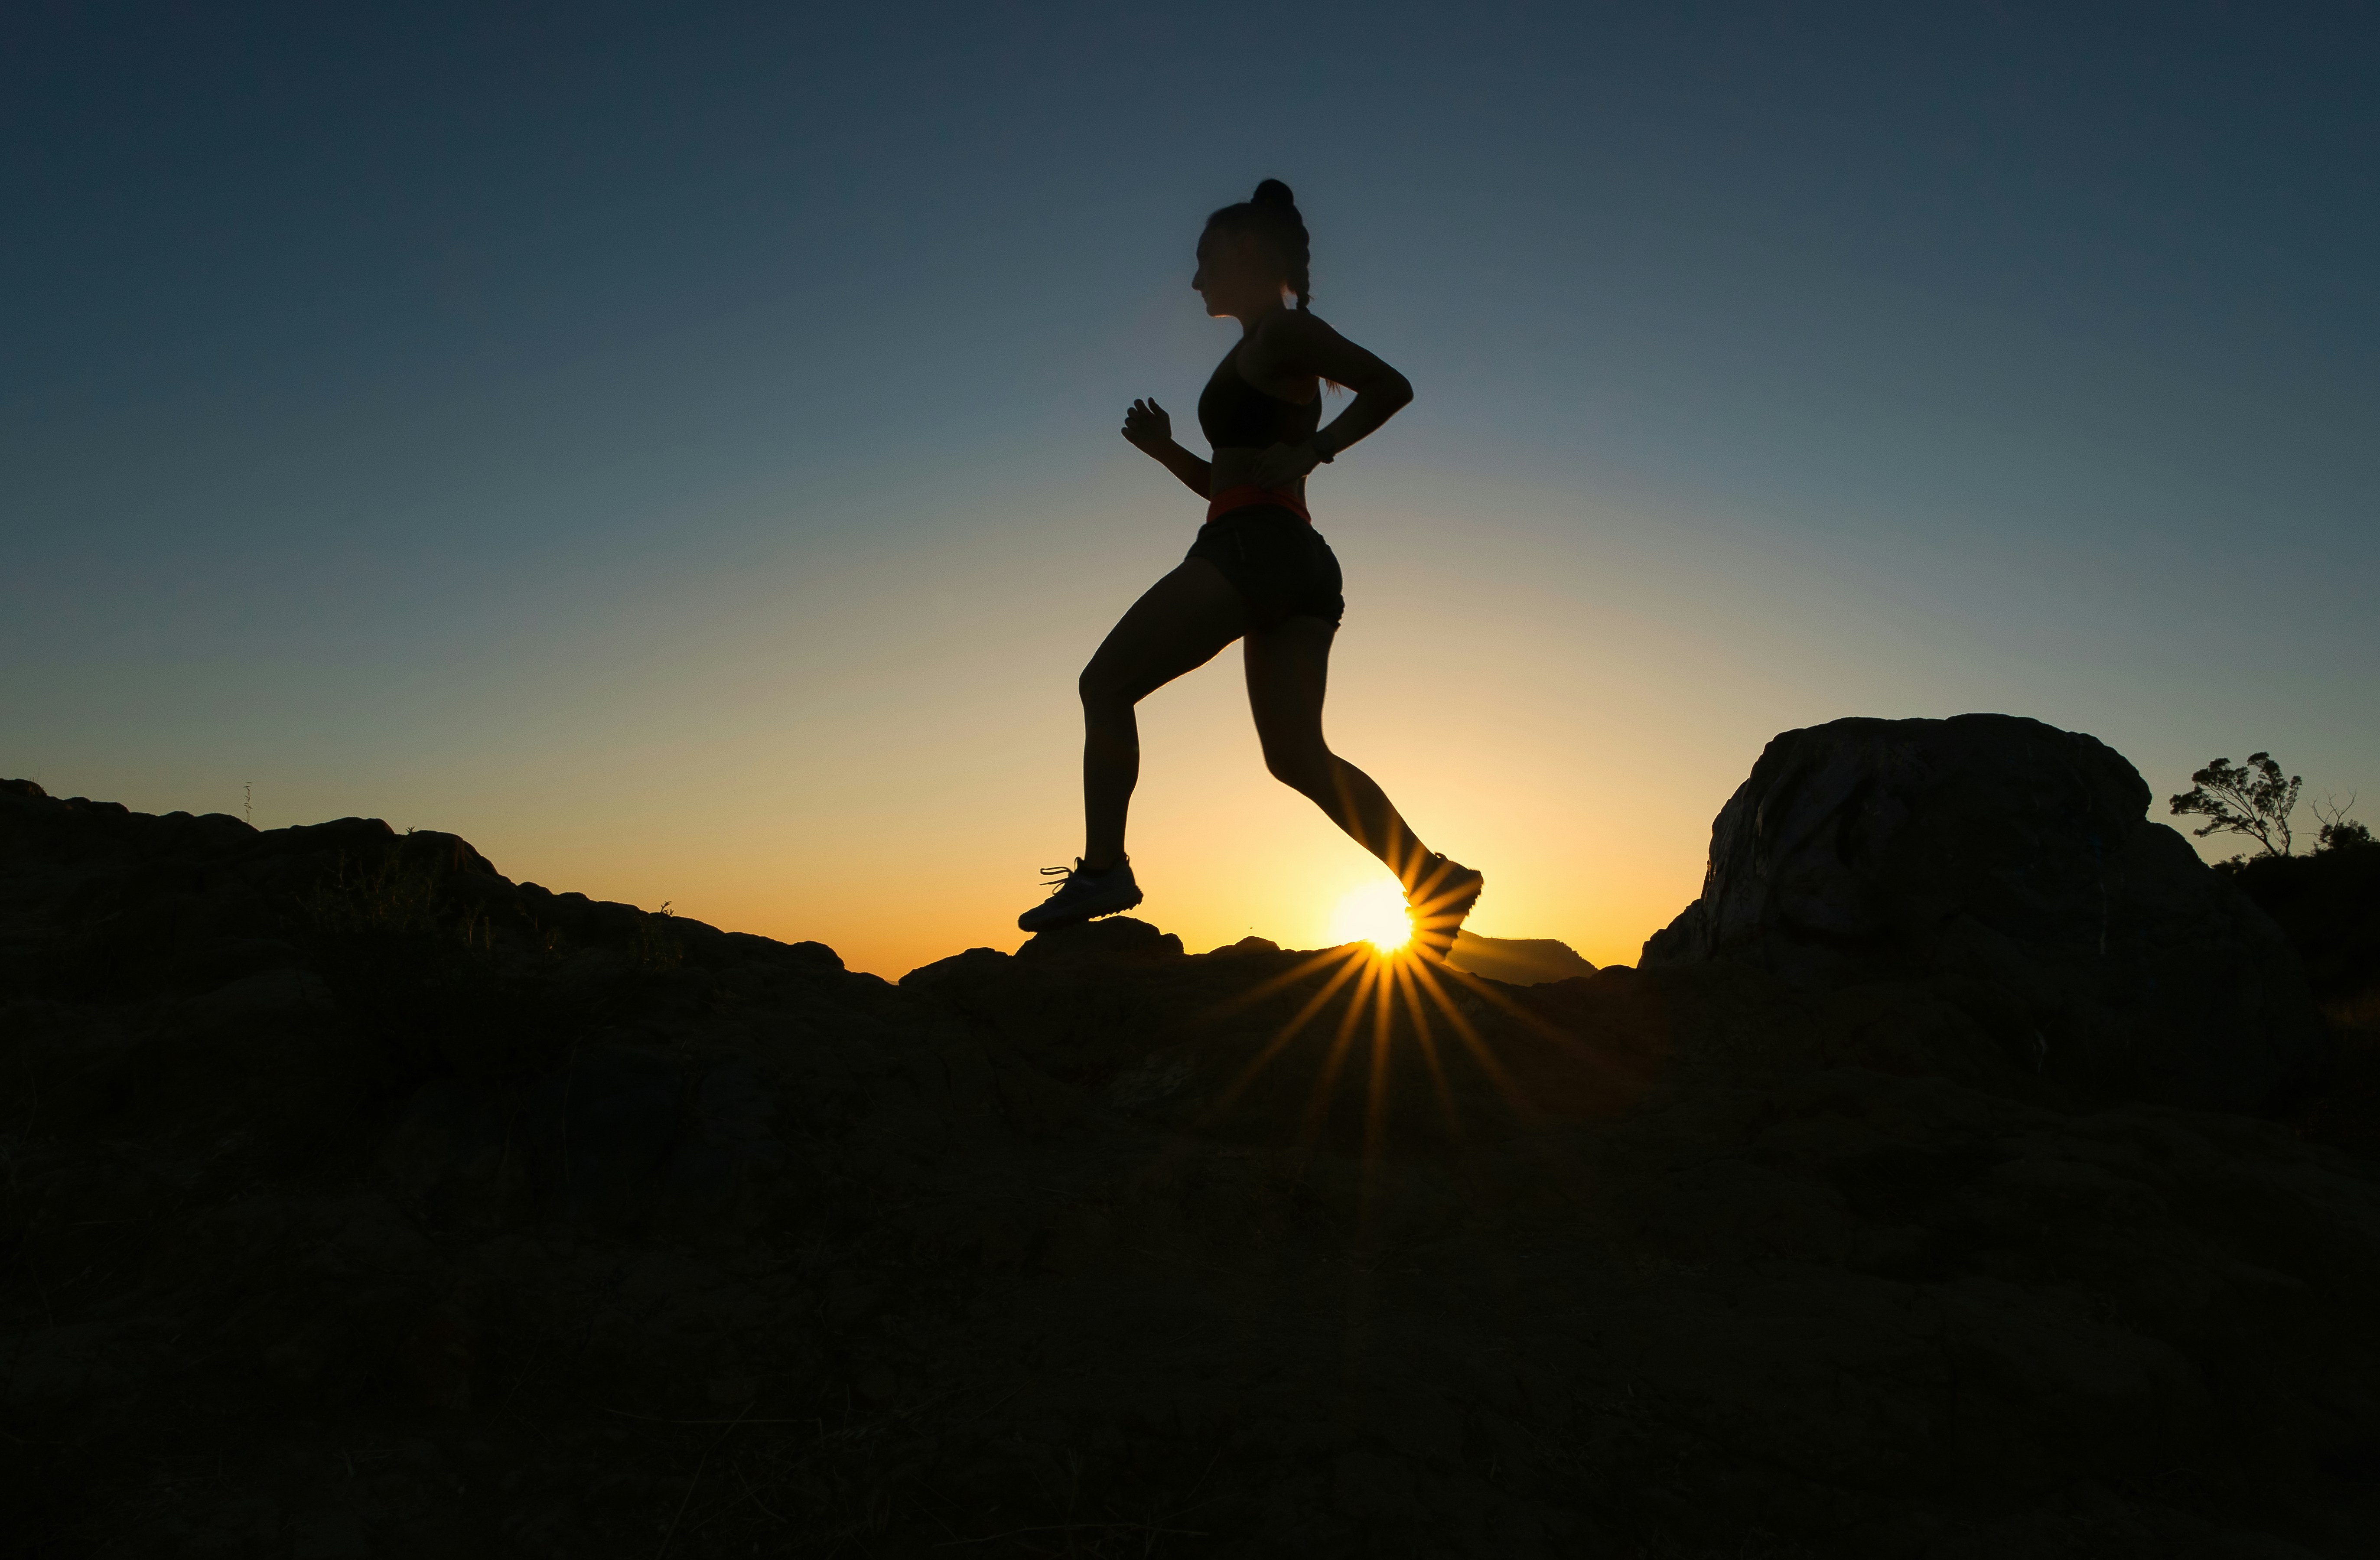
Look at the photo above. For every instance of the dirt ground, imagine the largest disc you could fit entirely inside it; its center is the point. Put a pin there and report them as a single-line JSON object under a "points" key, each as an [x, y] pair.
{"points": [[360, 1202]]}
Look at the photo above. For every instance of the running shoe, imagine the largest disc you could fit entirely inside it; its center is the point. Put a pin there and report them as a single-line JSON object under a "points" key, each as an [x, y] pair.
{"points": [[1080, 895], [1441, 896]]}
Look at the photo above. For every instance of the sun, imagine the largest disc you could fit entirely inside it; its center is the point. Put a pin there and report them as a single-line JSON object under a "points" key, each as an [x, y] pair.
{"points": [[1375, 914]]}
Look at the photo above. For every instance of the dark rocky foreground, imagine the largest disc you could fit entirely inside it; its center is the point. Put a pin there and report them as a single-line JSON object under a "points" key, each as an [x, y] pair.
{"points": [[359, 1201]]}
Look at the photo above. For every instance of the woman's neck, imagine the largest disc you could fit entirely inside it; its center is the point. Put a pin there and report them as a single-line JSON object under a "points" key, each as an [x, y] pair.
{"points": [[1250, 321]]}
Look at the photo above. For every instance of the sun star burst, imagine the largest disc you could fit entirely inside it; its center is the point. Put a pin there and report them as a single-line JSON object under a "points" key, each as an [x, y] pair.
{"points": [[1375, 913]]}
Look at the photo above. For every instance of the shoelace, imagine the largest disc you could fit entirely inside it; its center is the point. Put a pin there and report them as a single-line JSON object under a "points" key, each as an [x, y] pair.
{"points": [[1067, 874]]}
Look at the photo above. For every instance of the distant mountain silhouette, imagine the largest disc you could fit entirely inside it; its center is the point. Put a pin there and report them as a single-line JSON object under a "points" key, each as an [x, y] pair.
{"points": [[361, 1199], [1519, 961]]}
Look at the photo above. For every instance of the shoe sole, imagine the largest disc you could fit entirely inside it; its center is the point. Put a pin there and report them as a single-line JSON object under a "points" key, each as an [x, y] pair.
{"points": [[1026, 923]]}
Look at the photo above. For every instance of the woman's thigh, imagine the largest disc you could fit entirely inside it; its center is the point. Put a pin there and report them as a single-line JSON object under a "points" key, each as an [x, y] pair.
{"points": [[1289, 672], [1178, 626]]}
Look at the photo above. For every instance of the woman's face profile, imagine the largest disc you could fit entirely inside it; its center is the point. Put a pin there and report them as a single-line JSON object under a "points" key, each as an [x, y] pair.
{"points": [[1237, 273]]}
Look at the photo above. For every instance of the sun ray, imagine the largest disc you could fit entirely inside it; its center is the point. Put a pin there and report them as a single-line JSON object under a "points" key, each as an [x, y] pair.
{"points": [[1349, 966], [1257, 992], [1488, 991], [1317, 1106], [1408, 987], [1479, 1047], [1383, 1021], [1375, 1097], [1609, 1071]]}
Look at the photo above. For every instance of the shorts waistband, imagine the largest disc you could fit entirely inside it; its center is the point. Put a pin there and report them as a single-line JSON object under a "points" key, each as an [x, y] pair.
{"points": [[1249, 497]]}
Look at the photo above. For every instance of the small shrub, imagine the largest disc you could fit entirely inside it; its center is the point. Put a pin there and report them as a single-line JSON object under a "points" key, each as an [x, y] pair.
{"points": [[2338, 831], [656, 945], [2344, 834]]}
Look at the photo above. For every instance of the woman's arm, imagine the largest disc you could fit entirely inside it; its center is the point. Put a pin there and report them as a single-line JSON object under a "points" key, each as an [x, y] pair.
{"points": [[1150, 432], [1294, 346]]}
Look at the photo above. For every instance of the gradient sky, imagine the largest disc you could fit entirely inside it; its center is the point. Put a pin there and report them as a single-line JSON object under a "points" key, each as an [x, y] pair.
{"points": [[676, 447]]}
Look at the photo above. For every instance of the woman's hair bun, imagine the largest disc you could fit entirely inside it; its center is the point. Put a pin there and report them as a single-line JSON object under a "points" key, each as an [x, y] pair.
{"points": [[1272, 215]]}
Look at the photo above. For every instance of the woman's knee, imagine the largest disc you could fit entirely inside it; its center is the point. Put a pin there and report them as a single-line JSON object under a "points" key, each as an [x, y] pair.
{"points": [[1102, 692], [1299, 765]]}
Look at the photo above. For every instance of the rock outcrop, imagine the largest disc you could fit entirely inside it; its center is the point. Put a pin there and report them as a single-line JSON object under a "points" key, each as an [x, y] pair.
{"points": [[2010, 867], [358, 1201]]}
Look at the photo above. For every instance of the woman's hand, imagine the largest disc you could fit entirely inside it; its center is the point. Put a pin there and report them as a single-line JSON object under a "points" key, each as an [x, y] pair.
{"points": [[1151, 432], [1282, 465], [1147, 428]]}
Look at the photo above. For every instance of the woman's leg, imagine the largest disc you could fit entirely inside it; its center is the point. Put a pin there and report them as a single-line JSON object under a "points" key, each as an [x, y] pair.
{"points": [[1289, 667], [1178, 626]]}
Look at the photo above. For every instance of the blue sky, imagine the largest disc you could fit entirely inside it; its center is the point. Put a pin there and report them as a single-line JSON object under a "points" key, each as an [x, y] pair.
{"points": [[560, 423]]}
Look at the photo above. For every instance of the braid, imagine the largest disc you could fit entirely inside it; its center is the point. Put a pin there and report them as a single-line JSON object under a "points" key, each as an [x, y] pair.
{"points": [[1272, 213]]}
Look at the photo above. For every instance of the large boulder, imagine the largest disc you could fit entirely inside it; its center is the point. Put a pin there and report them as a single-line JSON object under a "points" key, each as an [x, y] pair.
{"points": [[2011, 866]]}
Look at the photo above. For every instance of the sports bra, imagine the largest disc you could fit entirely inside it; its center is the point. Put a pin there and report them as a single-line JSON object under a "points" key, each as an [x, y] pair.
{"points": [[1234, 414]]}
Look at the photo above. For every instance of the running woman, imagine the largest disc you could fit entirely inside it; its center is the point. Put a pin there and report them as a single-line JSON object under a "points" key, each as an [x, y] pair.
{"points": [[1259, 573]]}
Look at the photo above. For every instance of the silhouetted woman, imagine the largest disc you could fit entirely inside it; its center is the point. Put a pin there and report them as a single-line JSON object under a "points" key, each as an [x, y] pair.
{"points": [[1258, 572]]}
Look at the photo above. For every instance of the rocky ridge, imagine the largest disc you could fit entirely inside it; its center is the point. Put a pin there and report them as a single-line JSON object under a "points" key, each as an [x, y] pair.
{"points": [[363, 1202]]}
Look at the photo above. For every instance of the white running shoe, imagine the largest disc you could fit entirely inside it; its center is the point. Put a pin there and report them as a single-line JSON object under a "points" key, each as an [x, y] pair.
{"points": [[1081, 895]]}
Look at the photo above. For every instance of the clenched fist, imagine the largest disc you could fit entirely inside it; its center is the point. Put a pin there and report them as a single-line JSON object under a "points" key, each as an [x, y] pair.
{"points": [[1146, 427]]}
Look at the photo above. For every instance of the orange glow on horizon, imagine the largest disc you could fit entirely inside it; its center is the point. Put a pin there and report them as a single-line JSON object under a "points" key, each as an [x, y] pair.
{"points": [[805, 757]]}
